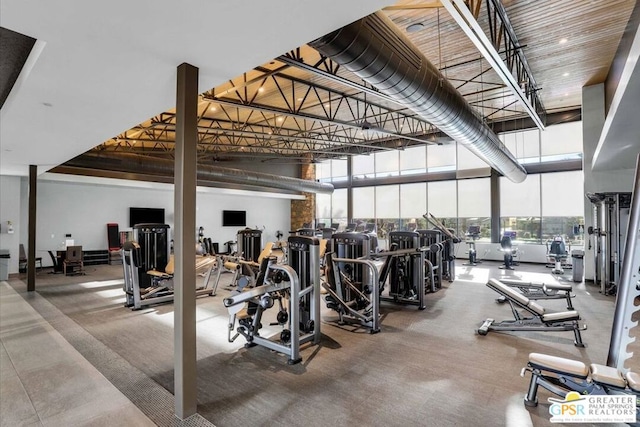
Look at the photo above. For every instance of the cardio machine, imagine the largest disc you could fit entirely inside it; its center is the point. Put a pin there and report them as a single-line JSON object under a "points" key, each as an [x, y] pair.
{"points": [[473, 234], [557, 255], [508, 249]]}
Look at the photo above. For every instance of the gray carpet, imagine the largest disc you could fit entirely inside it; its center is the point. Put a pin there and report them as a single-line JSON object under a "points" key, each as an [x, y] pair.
{"points": [[425, 368]]}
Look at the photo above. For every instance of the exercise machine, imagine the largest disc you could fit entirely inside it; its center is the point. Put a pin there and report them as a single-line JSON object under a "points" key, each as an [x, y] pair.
{"points": [[296, 289], [610, 223], [433, 238], [160, 287], [355, 302], [557, 255], [351, 245], [561, 376], [410, 269], [539, 320], [536, 291], [153, 240], [508, 249], [450, 240], [473, 234], [249, 244], [245, 272]]}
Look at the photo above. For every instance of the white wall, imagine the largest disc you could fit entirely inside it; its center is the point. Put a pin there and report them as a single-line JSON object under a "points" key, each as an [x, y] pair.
{"points": [[10, 205], [83, 208]]}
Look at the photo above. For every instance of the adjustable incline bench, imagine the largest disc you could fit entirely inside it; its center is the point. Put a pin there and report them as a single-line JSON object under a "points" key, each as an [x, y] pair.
{"points": [[561, 376], [537, 291], [541, 320]]}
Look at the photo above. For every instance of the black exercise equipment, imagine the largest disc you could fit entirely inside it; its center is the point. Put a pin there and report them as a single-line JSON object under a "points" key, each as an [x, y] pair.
{"points": [[160, 287], [473, 234], [296, 289], [508, 249], [540, 320], [249, 244], [557, 255], [536, 291], [154, 249], [353, 301], [448, 251]]}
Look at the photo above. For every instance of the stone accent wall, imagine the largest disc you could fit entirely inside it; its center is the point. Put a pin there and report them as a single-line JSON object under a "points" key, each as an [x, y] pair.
{"points": [[304, 210]]}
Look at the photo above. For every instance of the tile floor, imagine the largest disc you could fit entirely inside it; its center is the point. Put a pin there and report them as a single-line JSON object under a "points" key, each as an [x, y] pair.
{"points": [[61, 389]]}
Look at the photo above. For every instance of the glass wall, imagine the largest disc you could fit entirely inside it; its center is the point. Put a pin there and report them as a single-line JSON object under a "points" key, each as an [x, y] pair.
{"points": [[561, 142], [562, 206], [474, 206], [387, 163], [442, 202], [441, 158], [413, 160], [413, 204], [520, 208], [524, 145], [543, 206]]}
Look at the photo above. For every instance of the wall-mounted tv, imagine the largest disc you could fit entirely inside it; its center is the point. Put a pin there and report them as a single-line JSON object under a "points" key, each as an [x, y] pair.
{"points": [[234, 218], [146, 216]]}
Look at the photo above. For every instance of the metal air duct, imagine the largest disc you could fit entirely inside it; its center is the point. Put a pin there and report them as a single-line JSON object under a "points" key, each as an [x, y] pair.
{"points": [[375, 50], [137, 164]]}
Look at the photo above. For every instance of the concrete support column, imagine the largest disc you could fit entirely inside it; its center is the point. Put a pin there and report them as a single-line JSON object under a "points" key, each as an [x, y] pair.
{"points": [[31, 251], [304, 210], [184, 279]]}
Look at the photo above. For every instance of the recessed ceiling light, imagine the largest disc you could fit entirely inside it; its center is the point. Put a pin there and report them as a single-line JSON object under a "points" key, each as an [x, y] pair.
{"points": [[562, 41], [260, 89], [415, 27], [565, 74], [213, 109], [300, 99], [327, 105], [280, 119]]}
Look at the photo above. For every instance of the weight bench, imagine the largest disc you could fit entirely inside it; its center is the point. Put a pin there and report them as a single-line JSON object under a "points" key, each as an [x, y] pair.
{"points": [[561, 376], [537, 291], [541, 320]]}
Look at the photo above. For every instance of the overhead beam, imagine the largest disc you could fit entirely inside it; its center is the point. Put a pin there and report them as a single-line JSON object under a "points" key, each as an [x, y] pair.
{"points": [[273, 110], [467, 22]]}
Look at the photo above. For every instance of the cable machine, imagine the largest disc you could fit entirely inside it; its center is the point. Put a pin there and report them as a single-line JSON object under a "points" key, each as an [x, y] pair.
{"points": [[154, 249], [609, 231], [249, 244]]}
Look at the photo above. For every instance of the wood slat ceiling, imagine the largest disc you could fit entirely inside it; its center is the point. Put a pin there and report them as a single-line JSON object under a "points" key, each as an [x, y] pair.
{"points": [[568, 44]]}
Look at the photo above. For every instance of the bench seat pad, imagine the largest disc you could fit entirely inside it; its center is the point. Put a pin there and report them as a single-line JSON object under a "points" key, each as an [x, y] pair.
{"points": [[558, 365], [633, 380], [607, 375], [561, 316]]}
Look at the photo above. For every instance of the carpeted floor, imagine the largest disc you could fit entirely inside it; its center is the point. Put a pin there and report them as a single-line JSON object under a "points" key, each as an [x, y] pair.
{"points": [[425, 368]]}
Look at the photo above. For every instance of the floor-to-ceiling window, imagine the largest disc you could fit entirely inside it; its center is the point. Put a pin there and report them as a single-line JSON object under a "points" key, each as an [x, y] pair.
{"points": [[543, 206]]}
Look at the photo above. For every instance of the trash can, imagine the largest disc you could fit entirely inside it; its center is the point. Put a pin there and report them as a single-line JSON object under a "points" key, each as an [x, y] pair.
{"points": [[4, 264], [577, 261]]}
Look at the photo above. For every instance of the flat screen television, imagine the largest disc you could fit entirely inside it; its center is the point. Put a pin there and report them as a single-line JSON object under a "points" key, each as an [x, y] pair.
{"points": [[146, 216], [234, 218]]}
